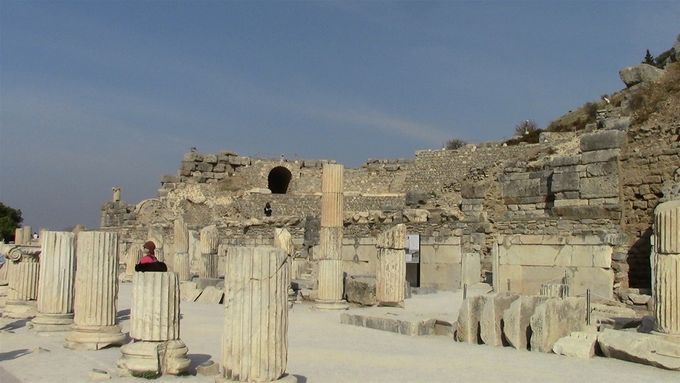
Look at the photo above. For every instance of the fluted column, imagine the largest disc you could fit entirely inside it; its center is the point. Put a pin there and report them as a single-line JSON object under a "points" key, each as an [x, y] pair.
{"points": [[255, 339], [134, 254], [209, 243], [57, 277], [391, 271], [96, 292], [667, 267], [330, 286], [182, 260], [154, 324], [22, 277]]}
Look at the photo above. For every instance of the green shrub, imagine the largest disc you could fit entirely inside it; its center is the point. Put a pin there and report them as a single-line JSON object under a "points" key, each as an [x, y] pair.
{"points": [[454, 144]]}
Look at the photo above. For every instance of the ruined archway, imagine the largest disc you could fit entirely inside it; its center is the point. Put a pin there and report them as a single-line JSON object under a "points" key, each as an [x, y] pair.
{"points": [[278, 180]]}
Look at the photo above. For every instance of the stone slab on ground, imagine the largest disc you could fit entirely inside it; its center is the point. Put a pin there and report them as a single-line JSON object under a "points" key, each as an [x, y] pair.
{"points": [[412, 327], [578, 344], [188, 291], [211, 295], [651, 349]]}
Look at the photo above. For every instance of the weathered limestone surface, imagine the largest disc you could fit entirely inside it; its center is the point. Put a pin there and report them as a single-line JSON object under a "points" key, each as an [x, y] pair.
{"points": [[330, 289], [391, 270], [555, 319], [96, 293], [492, 314], [209, 246], [654, 350], [284, 241], [468, 320], [22, 235], [182, 260], [154, 323], [517, 320], [667, 267], [154, 314], [23, 275], [255, 339], [56, 282], [135, 253], [361, 290], [578, 344]]}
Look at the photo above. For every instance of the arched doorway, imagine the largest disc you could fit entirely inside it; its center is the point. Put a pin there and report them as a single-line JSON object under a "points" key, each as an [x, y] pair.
{"points": [[278, 180]]}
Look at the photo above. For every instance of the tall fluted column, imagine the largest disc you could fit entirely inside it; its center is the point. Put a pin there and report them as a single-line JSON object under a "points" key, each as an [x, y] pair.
{"points": [[23, 277], [667, 267], [95, 324], [330, 239], [182, 261], [209, 243], [255, 339], [154, 324], [391, 271], [57, 277]]}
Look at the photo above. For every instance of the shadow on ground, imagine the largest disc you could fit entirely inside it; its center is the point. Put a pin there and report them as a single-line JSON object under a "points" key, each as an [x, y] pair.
{"points": [[11, 326], [14, 354], [123, 315]]}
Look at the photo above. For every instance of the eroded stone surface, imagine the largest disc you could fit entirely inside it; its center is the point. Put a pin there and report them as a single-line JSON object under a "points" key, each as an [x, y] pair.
{"points": [[96, 291], [56, 283], [654, 350], [391, 268], [555, 319], [492, 314], [255, 339], [578, 344], [517, 320], [467, 328]]}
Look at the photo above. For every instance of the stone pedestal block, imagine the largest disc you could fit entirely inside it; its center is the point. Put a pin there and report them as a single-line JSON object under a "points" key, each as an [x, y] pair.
{"points": [[23, 275], [56, 282], [96, 293], [667, 267], [467, 329], [578, 344], [555, 319], [391, 270], [517, 320], [492, 314], [255, 339]]}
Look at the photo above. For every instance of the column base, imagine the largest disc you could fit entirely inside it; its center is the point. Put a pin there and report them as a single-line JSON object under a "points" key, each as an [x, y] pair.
{"points": [[20, 309], [286, 378], [145, 357], [94, 337], [328, 304], [51, 322]]}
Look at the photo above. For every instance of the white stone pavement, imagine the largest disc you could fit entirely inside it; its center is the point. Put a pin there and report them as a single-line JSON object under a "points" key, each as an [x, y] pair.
{"points": [[323, 350]]}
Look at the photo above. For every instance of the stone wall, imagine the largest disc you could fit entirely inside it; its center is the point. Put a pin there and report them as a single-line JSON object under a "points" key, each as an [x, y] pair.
{"points": [[648, 167]]}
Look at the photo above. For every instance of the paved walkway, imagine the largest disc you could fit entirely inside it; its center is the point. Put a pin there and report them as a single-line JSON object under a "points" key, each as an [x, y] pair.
{"points": [[323, 350]]}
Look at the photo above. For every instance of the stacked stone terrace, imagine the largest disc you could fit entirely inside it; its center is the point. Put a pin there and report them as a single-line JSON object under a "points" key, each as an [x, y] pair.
{"points": [[601, 193]]}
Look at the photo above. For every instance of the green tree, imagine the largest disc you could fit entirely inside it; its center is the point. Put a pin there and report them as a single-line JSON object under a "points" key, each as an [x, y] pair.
{"points": [[649, 59], [10, 220]]}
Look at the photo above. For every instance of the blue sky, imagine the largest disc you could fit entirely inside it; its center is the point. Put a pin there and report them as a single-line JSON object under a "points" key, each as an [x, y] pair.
{"points": [[95, 94]]}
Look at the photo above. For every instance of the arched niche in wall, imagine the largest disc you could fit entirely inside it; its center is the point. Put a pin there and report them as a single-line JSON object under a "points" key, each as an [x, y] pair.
{"points": [[279, 179]]}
